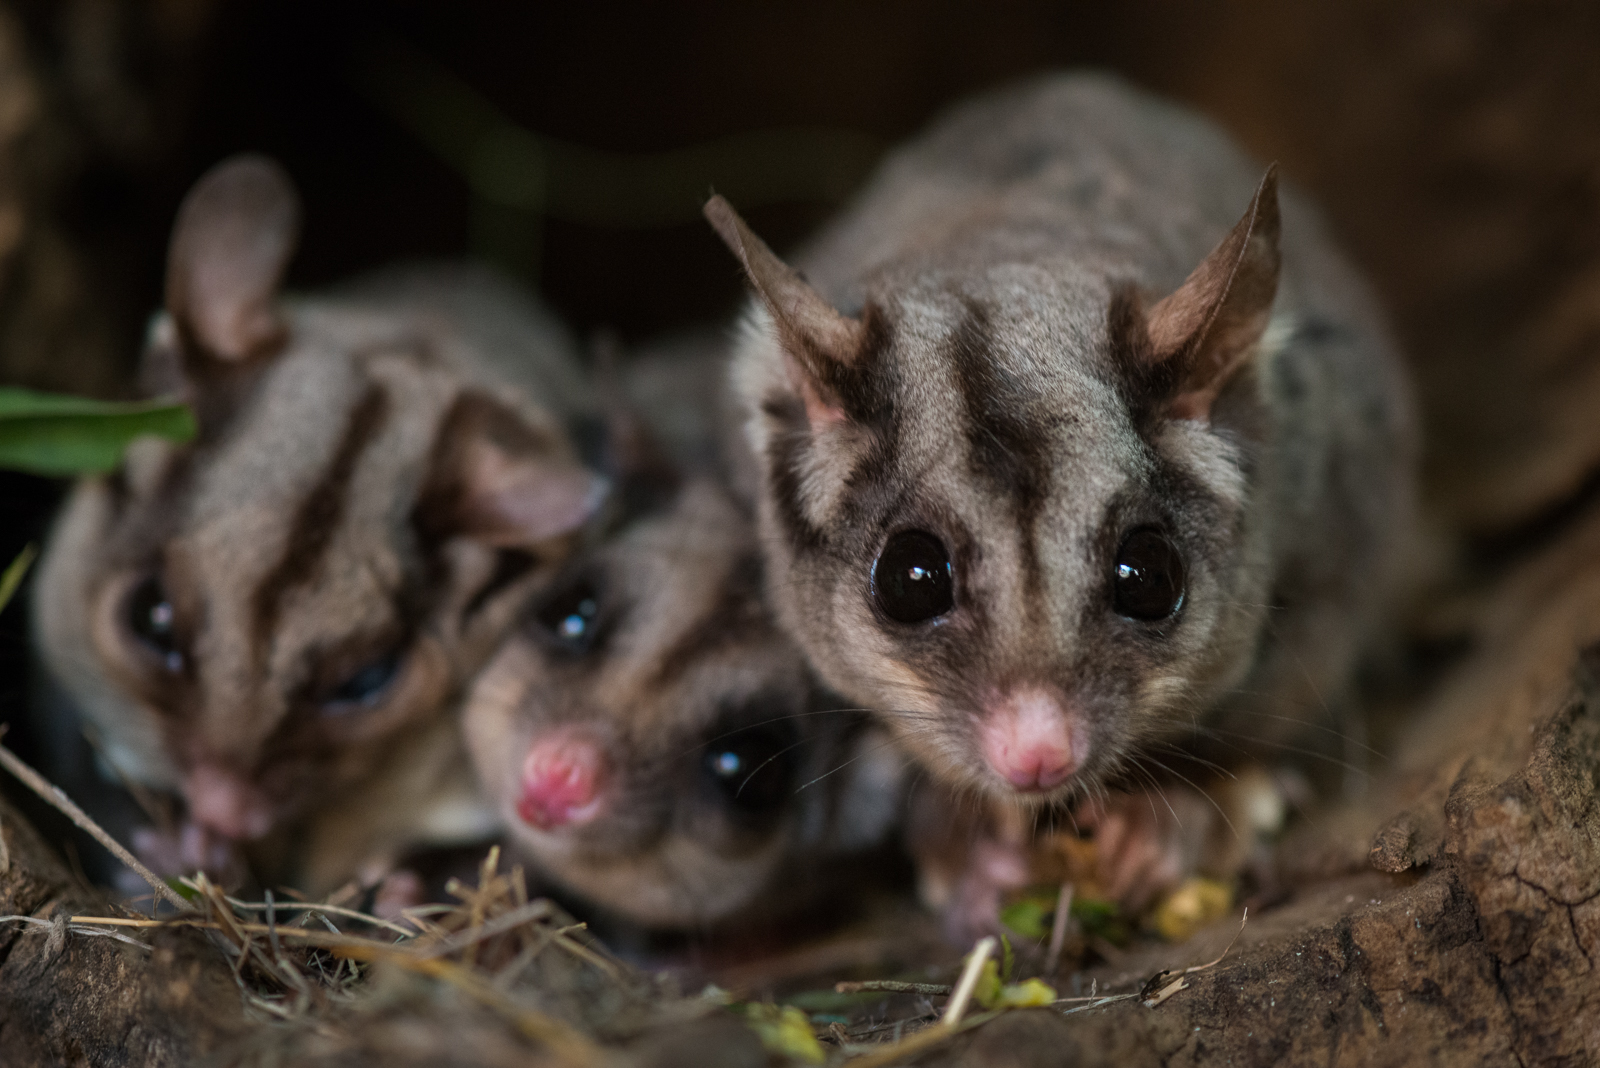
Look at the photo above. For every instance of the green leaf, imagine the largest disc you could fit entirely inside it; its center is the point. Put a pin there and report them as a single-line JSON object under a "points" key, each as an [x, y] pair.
{"points": [[1008, 959], [1030, 917], [1101, 918], [785, 1030], [55, 434], [183, 889], [12, 578]]}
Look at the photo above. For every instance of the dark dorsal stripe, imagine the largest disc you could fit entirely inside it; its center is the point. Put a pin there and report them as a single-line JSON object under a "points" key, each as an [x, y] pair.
{"points": [[319, 515], [1010, 445]]}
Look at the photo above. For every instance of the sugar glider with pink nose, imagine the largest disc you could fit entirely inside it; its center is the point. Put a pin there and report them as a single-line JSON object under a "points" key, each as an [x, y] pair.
{"points": [[275, 620], [1078, 453], [659, 748]]}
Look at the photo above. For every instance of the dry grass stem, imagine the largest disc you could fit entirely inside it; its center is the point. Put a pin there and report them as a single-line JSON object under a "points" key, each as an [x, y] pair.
{"points": [[57, 798], [969, 981]]}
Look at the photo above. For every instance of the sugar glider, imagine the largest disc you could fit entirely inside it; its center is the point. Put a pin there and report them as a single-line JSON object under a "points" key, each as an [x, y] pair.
{"points": [[1078, 454], [275, 620], [658, 747]]}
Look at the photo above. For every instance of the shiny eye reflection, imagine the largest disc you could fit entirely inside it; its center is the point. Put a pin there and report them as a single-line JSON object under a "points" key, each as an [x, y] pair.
{"points": [[1148, 582], [913, 579], [752, 771], [571, 617], [151, 618]]}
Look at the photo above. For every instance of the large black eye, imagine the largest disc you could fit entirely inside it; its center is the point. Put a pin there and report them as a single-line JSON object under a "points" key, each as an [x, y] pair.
{"points": [[571, 617], [1149, 576], [364, 687], [912, 579], [753, 771], [150, 617]]}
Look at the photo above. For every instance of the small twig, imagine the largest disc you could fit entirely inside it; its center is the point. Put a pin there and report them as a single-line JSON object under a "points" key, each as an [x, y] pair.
{"points": [[312, 906], [272, 927], [969, 980], [564, 939], [1058, 929], [78, 929], [1242, 921], [1094, 1003], [58, 798], [891, 986], [536, 910], [1172, 982]]}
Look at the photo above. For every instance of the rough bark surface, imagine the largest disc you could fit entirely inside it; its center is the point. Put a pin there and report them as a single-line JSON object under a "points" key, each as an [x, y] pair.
{"points": [[71, 999]]}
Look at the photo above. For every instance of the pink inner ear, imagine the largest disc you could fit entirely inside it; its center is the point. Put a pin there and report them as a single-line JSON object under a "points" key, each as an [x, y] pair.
{"points": [[520, 500], [819, 412], [233, 237]]}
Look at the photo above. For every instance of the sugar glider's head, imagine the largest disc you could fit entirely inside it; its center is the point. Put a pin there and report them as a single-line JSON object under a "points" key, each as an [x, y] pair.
{"points": [[657, 746], [251, 618], [999, 504]]}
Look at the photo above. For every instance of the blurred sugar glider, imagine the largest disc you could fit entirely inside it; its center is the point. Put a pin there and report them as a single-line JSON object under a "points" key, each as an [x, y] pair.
{"points": [[1070, 470], [657, 746], [275, 619]]}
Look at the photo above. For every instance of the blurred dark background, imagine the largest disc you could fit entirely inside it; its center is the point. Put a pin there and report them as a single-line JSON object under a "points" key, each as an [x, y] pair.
{"points": [[1454, 143]]}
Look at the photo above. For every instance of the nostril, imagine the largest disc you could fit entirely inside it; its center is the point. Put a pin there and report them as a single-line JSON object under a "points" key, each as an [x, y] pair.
{"points": [[562, 782], [1029, 737]]}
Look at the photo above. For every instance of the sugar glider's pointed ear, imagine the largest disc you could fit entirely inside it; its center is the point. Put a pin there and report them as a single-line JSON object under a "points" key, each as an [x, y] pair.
{"points": [[1209, 327], [818, 341], [498, 478], [233, 237]]}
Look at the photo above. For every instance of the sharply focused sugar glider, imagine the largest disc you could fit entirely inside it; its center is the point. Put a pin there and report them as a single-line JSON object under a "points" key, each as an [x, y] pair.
{"points": [[658, 747], [275, 620], [1077, 456]]}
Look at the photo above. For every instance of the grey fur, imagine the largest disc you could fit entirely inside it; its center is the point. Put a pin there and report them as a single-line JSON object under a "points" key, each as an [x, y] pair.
{"points": [[298, 540], [991, 404], [686, 654]]}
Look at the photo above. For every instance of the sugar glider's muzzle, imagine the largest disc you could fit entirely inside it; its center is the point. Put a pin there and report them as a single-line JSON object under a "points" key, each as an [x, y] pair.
{"points": [[563, 780], [1032, 738]]}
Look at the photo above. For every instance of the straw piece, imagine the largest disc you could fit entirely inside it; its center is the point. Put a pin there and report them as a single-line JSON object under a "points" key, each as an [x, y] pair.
{"points": [[57, 798], [969, 980]]}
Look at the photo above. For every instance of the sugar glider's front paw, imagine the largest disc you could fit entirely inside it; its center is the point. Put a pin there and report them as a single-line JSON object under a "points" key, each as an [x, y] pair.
{"points": [[188, 849], [399, 890], [1148, 842], [972, 909]]}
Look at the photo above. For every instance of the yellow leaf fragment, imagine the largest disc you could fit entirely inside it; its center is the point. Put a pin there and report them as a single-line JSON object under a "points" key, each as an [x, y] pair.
{"points": [[1029, 994], [1197, 902], [785, 1030]]}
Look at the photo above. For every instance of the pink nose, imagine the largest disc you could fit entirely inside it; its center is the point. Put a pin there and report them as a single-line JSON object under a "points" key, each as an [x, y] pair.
{"points": [[562, 779], [226, 802], [1028, 739]]}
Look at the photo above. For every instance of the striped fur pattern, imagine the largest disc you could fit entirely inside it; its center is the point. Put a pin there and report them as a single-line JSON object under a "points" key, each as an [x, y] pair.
{"points": [[276, 619], [685, 666], [1003, 341]]}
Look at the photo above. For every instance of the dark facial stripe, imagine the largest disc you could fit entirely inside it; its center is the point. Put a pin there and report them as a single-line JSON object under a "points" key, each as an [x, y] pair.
{"points": [[319, 515], [735, 617]]}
